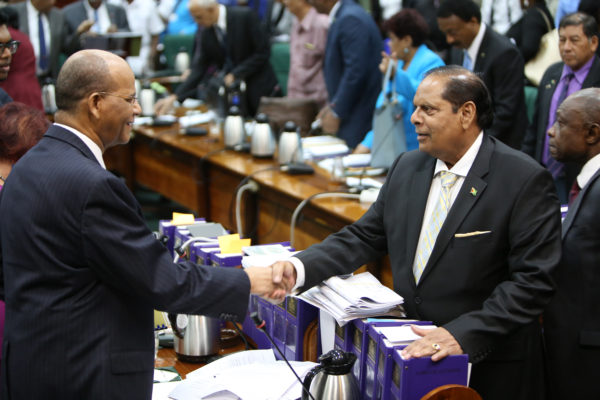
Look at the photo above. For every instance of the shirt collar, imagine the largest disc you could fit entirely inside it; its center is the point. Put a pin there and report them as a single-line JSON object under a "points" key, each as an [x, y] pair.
{"points": [[31, 10], [222, 21], [476, 44], [94, 148], [88, 9], [588, 170], [307, 21], [581, 73], [334, 11], [462, 167]]}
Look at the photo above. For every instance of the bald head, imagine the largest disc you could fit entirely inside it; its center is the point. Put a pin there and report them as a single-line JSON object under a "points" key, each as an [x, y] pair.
{"points": [[575, 136], [85, 72], [204, 12]]}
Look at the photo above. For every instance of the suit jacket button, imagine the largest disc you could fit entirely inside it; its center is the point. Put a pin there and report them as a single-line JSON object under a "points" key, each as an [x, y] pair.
{"points": [[418, 300]]}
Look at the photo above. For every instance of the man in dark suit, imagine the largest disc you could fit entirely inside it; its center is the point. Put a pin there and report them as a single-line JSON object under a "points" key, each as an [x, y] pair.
{"points": [[91, 17], [478, 48], [579, 69], [232, 44], [54, 33], [482, 273], [351, 70], [572, 320], [80, 271]]}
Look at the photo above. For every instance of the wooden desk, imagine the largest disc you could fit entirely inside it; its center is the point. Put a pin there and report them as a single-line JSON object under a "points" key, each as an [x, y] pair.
{"points": [[200, 175]]}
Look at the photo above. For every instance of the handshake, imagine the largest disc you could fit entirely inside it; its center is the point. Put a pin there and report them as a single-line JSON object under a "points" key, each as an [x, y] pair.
{"points": [[273, 282]]}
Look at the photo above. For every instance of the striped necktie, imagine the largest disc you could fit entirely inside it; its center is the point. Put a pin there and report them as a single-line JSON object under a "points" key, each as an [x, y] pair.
{"points": [[433, 228]]}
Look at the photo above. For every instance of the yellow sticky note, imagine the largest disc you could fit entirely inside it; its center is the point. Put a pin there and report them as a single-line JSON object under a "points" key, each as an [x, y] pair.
{"points": [[182, 219], [226, 242]]}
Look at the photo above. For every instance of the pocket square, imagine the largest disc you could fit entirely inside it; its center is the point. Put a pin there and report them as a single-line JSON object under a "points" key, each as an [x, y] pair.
{"points": [[468, 234]]}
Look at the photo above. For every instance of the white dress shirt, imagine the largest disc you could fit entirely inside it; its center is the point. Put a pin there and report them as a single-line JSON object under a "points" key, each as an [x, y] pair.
{"points": [[588, 170], [475, 45], [103, 18], [34, 33], [143, 18], [94, 148]]}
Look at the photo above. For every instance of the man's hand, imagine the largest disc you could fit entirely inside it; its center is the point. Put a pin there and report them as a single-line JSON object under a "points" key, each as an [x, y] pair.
{"points": [[437, 343], [164, 106], [229, 79], [329, 122], [284, 273], [262, 283], [85, 26]]}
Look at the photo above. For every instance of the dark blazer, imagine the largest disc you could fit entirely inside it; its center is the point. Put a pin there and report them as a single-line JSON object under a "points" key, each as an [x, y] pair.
{"points": [[75, 13], [81, 275], [572, 320], [533, 144], [486, 289], [248, 49], [501, 67], [351, 70], [57, 33]]}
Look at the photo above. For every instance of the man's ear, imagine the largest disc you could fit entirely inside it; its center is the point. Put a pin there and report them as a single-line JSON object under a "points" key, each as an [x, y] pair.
{"points": [[94, 102], [593, 134], [468, 114]]}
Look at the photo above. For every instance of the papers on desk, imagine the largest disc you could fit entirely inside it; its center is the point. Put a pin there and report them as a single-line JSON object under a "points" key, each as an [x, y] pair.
{"points": [[350, 297], [197, 118], [403, 334], [247, 375], [323, 146]]}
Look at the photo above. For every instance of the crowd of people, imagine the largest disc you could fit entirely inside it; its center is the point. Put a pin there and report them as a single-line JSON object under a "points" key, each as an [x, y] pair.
{"points": [[471, 221]]}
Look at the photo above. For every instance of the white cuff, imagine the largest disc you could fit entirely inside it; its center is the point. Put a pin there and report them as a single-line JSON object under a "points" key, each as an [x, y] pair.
{"points": [[300, 276]]}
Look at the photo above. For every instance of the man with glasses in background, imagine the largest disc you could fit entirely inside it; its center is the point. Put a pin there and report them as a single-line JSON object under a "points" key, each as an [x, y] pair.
{"points": [[8, 47]]}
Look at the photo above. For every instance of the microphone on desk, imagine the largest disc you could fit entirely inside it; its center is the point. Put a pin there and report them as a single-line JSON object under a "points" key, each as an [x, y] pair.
{"points": [[260, 325], [297, 168]]}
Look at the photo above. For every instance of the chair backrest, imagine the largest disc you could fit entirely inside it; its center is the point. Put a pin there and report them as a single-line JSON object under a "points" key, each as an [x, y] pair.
{"points": [[280, 61], [531, 94], [452, 392]]}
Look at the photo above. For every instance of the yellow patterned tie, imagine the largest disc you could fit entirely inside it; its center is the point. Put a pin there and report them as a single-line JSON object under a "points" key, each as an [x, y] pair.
{"points": [[433, 228]]}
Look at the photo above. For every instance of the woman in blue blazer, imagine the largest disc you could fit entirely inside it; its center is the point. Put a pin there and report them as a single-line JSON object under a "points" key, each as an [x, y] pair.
{"points": [[407, 31]]}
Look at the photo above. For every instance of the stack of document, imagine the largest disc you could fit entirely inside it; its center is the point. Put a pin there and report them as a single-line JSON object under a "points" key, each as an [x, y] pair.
{"points": [[316, 147], [350, 297]]}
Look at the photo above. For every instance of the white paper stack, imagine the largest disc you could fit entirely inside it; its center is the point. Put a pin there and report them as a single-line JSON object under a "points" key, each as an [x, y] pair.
{"points": [[350, 297]]}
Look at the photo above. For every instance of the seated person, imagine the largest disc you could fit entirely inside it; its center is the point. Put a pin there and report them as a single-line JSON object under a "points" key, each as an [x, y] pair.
{"points": [[407, 31], [91, 17], [142, 18], [232, 44]]}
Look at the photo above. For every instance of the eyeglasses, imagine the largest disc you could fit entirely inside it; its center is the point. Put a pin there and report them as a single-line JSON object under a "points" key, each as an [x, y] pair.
{"points": [[130, 99], [12, 46]]}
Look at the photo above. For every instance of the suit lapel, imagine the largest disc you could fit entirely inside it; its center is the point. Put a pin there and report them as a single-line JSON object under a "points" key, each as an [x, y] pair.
{"points": [[574, 208], [482, 52], [593, 77], [420, 185], [470, 192], [59, 133]]}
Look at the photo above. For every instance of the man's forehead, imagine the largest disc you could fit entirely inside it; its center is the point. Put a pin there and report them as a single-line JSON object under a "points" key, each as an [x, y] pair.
{"points": [[574, 30]]}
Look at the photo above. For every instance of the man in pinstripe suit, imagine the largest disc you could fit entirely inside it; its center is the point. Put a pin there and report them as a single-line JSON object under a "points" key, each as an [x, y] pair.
{"points": [[81, 273]]}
